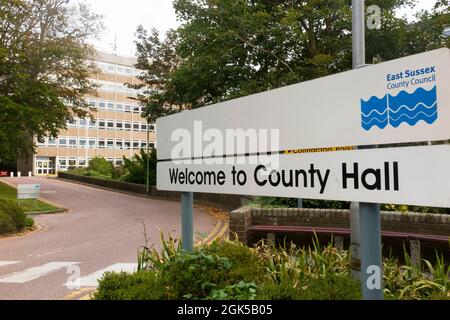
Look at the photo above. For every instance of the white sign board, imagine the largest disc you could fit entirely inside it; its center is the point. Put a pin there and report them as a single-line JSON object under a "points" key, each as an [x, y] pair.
{"points": [[404, 100], [410, 175], [28, 191]]}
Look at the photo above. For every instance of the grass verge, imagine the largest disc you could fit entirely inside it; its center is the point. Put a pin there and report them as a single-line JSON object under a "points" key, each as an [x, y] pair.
{"points": [[28, 205]]}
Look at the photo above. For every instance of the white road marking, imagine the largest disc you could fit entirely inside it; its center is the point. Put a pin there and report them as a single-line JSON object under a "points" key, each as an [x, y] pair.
{"points": [[35, 272], [91, 280], [7, 263]]}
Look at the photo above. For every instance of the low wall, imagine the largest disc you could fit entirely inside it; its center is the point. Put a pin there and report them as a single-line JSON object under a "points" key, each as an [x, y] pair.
{"points": [[418, 223], [225, 201]]}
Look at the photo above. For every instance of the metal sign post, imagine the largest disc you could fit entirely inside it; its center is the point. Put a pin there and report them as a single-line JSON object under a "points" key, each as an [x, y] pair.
{"points": [[369, 217], [187, 221]]}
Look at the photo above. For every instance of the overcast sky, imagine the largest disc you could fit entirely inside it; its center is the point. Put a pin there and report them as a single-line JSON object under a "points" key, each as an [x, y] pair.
{"points": [[121, 17]]}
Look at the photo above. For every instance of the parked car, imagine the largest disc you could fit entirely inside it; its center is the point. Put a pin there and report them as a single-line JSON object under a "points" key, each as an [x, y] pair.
{"points": [[4, 173]]}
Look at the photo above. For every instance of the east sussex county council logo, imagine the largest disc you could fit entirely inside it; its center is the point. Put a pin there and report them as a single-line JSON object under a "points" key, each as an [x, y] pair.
{"points": [[405, 107]]}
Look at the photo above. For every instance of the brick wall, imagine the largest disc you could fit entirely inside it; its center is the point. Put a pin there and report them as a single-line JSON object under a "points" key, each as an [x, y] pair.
{"points": [[422, 223]]}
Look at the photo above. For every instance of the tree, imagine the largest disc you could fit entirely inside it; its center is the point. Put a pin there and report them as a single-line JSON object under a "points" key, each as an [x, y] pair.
{"points": [[44, 69], [158, 61], [232, 48], [136, 167]]}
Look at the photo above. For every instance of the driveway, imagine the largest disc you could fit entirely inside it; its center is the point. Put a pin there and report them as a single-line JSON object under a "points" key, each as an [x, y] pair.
{"points": [[102, 230]]}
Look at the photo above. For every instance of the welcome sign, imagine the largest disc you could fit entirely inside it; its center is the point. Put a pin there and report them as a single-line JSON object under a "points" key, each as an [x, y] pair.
{"points": [[225, 148]]}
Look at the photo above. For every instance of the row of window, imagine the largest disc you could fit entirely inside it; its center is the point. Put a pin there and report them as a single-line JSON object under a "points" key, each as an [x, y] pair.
{"points": [[115, 106], [110, 125], [64, 162], [116, 87], [112, 68], [94, 143]]}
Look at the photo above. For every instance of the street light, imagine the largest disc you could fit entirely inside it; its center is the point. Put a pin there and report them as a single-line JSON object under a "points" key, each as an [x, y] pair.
{"points": [[147, 179]]}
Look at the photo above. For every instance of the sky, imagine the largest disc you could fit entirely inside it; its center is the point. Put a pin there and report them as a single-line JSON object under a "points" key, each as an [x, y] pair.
{"points": [[121, 18]]}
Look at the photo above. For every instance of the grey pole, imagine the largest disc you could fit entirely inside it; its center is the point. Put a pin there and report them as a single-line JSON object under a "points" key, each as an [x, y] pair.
{"points": [[187, 221], [369, 213], [371, 264], [359, 59], [299, 203], [147, 179]]}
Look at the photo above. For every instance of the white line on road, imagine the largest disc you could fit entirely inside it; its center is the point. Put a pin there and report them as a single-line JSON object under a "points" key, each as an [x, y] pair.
{"points": [[35, 272], [91, 280], [7, 263]]}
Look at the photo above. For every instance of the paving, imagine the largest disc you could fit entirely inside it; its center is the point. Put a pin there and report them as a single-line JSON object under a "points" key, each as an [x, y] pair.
{"points": [[100, 231]]}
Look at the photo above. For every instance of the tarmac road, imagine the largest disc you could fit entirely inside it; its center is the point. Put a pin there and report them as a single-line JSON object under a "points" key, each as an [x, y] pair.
{"points": [[102, 230]]}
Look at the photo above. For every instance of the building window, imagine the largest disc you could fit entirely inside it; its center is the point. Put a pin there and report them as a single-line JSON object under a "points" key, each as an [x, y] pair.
{"points": [[120, 69], [135, 144], [110, 144], [128, 71], [102, 105], [127, 145], [110, 160], [41, 142], [51, 142], [110, 105], [101, 124], [151, 145], [111, 68], [62, 163], [92, 143], [72, 142], [136, 109], [82, 123], [151, 127], [119, 125], [72, 122], [110, 124], [93, 103], [127, 126], [119, 107], [136, 126], [82, 142], [62, 142], [119, 144], [101, 143], [111, 86], [143, 127], [127, 108], [82, 162], [119, 161], [72, 162], [92, 123], [144, 145]]}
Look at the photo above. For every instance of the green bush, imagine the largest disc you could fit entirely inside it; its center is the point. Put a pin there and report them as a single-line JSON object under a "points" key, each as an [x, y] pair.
{"points": [[29, 222], [332, 287], [16, 213], [276, 202], [6, 223], [99, 166], [137, 168], [142, 285]]}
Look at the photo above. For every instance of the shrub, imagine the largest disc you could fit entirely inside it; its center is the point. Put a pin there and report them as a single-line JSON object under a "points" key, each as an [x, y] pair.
{"points": [[29, 222], [118, 172], [15, 212], [100, 166], [137, 168], [275, 202], [332, 287], [143, 285], [6, 223]]}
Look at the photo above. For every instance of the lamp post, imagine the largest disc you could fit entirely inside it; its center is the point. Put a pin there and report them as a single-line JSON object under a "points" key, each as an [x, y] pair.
{"points": [[147, 178]]}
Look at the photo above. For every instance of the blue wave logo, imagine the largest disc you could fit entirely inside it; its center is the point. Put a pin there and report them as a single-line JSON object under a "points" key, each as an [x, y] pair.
{"points": [[395, 110]]}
